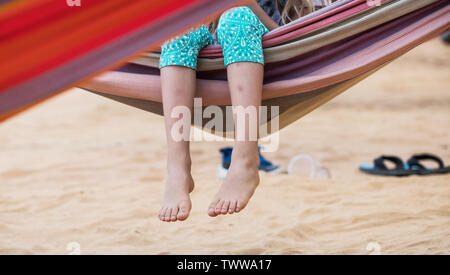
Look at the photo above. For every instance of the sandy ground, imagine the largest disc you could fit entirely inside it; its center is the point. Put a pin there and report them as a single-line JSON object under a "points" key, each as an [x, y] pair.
{"points": [[84, 169]]}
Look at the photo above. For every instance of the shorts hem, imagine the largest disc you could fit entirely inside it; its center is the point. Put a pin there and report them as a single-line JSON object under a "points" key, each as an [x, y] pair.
{"points": [[244, 60]]}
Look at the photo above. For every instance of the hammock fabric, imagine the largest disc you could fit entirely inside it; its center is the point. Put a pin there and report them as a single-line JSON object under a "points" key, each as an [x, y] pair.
{"points": [[47, 45], [308, 62]]}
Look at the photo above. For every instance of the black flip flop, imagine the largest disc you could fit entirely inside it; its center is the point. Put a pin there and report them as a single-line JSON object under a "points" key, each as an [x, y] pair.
{"points": [[414, 164], [380, 168]]}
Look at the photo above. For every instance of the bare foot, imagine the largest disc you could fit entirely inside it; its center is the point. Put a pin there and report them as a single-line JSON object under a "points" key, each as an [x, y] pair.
{"points": [[240, 183], [176, 203]]}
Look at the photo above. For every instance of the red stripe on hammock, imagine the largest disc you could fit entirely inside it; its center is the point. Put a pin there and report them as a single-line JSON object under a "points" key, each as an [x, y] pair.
{"points": [[27, 94], [152, 14]]}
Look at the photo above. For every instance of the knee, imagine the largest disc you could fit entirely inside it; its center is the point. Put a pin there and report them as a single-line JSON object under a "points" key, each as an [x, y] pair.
{"points": [[183, 51], [239, 22], [240, 33]]}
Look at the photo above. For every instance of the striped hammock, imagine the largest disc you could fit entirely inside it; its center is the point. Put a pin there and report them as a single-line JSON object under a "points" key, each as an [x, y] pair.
{"points": [[308, 62]]}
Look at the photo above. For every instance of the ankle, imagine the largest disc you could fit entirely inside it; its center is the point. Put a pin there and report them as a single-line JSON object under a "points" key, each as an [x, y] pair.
{"points": [[179, 165], [179, 177], [245, 148], [246, 156]]}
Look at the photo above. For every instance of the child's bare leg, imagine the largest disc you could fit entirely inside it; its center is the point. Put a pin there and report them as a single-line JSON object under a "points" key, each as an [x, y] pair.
{"points": [[245, 82], [178, 89]]}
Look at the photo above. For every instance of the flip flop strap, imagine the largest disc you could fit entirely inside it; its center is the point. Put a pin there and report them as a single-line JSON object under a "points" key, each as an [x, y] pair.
{"points": [[414, 161], [379, 162]]}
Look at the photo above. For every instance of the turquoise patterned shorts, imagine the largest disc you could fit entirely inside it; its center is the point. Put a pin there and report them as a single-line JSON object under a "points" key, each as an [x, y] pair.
{"points": [[239, 33]]}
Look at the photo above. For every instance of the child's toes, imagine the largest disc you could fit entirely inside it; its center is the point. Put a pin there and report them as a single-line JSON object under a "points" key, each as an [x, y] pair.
{"points": [[218, 208], [232, 207], [225, 206], [167, 215], [183, 212], [238, 207], [212, 208], [173, 214], [162, 213]]}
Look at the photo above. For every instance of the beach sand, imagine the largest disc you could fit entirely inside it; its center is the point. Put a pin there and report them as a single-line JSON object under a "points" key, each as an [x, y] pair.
{"points": [[83, 169]]}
